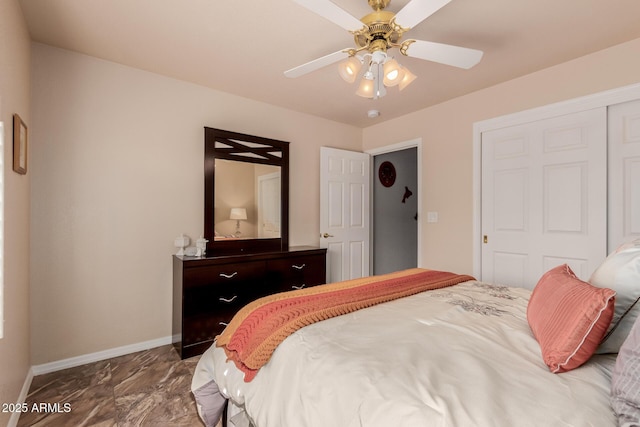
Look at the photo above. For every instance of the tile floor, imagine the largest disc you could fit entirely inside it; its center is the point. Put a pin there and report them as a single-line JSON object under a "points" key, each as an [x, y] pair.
{"points": [[147, 388]]}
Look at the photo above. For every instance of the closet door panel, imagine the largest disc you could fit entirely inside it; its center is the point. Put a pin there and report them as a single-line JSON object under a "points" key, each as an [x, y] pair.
{"points": [[544, 197], [624, 173]]}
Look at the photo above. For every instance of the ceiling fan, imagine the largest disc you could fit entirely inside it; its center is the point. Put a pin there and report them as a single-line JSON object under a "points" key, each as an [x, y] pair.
{"points": [[374, 35]]}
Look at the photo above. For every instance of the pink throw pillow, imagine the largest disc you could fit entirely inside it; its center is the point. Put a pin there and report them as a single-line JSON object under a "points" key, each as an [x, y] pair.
{"points": [[568, 317]]}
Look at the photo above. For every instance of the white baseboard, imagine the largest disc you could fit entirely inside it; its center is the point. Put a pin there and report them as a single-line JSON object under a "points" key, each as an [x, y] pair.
{"points": [[13, 421], [98, 356]]}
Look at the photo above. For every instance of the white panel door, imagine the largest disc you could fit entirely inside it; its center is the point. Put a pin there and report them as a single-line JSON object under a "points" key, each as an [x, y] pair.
{"points": [[344, 212], [624, 173], [544, 198]]}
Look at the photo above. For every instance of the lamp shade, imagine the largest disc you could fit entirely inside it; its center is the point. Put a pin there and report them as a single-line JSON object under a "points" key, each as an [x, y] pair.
{"points": [[407, 79], [366, 88], [349, 68], [393, 73], [238, 213]]}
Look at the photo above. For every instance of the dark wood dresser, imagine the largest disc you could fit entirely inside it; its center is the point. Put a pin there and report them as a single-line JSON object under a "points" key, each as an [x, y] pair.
{"points": [[207, 292]]}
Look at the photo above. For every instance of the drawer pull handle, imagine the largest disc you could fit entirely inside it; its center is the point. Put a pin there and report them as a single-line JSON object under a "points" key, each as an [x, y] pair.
{"points": [[229, 276], [223, 324], [228, 300], [298, 287], [298, 267]]}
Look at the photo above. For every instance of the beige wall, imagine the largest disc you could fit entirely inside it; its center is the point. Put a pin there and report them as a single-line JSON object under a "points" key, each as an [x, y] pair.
{"points": [[14, 98], [116, 170], [446, 132], [117, 175]]}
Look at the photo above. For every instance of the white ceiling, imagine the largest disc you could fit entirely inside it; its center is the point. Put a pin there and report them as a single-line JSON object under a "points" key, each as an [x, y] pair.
{"points": [[244, 46]]}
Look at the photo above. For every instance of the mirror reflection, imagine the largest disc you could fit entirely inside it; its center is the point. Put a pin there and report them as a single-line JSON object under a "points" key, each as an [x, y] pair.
{"points": [[247, 200]]}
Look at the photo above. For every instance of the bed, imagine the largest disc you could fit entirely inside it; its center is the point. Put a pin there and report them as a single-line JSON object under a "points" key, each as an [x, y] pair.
{"points": [[465, 354]]}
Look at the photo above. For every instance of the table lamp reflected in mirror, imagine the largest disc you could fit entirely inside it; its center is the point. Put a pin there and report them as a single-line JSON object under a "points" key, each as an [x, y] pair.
{"points": [[238, 214]]}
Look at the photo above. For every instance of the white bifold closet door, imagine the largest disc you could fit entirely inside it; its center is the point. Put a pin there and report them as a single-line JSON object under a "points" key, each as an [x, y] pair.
{"points": [[624, 173], [544, 197]]}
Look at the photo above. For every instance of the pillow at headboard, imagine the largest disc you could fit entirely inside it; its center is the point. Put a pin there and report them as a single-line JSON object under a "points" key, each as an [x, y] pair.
{"points": [[568, 317], [620, 272]]}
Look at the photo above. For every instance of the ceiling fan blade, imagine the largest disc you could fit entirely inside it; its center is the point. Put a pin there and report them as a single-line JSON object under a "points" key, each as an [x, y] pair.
{"points": [[417, 11], [333, 13], [316, 64], [444, 53]]}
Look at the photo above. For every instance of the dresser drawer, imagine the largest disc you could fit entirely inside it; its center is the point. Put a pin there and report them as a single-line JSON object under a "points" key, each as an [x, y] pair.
{"points": [[208, 309], [296, 272], [220, 274], [214, 293], [219, 297]]}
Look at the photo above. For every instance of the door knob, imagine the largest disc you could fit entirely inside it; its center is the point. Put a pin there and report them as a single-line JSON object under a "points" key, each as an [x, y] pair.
{"points": [[327, 235]]}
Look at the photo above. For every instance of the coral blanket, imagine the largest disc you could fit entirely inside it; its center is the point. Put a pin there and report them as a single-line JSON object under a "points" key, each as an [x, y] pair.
{"points": [[257, 329]]}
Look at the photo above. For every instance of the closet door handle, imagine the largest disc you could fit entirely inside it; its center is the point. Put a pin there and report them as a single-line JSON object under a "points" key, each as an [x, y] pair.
{"points": [[298, 287], [229, 276], [228, 300], [298, 267]]}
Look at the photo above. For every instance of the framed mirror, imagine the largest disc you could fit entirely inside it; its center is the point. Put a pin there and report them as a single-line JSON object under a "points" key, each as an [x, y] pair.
{"points": [[246, 201]]}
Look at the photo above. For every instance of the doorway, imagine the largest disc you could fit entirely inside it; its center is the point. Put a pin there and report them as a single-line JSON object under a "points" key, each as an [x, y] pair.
{"points": [[347, 211], [395, 211]]}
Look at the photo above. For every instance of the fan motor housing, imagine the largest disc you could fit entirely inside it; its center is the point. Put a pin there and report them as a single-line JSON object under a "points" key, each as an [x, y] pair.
{"points": [[378, 26], [378, 4]]}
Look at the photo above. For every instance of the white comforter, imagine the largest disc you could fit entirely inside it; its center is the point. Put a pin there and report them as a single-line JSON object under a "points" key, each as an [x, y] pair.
{"points": [[460, 356]]}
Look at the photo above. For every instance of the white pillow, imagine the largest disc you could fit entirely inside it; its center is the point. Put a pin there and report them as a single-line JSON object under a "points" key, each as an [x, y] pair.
{"points": [[620, 272]]}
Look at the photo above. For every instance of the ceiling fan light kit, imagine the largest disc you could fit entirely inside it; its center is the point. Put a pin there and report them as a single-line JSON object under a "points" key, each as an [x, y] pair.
{"points": [[374, 35], [381, 71], [349, 69], [393, 73], [407, 78], [366, 88]]}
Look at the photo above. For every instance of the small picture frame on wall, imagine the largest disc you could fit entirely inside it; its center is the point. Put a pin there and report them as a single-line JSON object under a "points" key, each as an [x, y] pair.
{"points": [[20, 144]]}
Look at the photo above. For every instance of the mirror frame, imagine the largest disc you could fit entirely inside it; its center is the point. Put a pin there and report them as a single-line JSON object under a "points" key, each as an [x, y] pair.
{"points": [[222, 144]]}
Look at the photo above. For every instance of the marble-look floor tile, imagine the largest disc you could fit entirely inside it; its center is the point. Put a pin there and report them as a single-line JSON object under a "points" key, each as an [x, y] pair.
{"points": [[159, 401], [147, 388], [160, 407], [76, 396], [191, 363], [78, 377], [147, 377]]}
